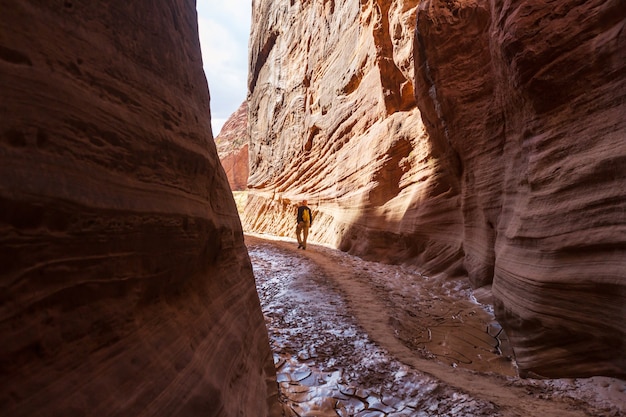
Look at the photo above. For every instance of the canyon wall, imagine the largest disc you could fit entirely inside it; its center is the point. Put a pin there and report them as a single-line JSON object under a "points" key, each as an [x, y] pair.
{"points": [[532, 98], [126, 285], [469, 138], [333, 119], [232, 147]]}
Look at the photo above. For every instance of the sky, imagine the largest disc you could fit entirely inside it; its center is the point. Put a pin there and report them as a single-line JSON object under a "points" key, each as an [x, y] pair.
{"points": [[224, 27]]}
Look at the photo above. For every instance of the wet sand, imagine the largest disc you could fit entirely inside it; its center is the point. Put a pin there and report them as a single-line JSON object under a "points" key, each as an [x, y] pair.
{"points": [[357, 338]]}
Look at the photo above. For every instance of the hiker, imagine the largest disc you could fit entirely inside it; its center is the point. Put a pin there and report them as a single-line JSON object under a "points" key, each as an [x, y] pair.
{"points": [[305, 220]]}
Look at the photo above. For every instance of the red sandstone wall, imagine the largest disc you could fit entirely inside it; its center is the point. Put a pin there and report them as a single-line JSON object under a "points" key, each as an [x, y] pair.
{"points": [[466, 137], [333, 119], [126, 286], [528, 96], [232, 147]]}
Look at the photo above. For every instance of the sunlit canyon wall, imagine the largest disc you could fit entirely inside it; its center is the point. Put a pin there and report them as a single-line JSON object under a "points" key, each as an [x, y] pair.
{"points": [[232, 147], [126, 288], [476, 138]]}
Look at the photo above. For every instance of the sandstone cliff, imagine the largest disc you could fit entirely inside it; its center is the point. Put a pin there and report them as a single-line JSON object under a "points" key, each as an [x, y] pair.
{"points": [[232, 147], [530, 98], [126, 286], [469, 137], [333, 118]]}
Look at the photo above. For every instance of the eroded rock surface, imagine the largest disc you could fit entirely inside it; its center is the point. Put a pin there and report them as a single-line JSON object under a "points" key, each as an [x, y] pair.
{"points": [[232, 147], [529, 98], [126, 288], [333, 119], [469, 137]]}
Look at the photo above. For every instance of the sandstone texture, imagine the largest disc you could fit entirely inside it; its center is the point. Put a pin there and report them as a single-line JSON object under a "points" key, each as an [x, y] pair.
{"points": [[126, 288], [537, 124], [470, 138], [232, 147], [333, 119]]}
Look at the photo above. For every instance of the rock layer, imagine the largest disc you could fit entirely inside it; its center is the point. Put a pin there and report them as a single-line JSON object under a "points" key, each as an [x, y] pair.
{"points": [[469, 137], [333, 119], [529, 97], [232, 147], [126, 286]]}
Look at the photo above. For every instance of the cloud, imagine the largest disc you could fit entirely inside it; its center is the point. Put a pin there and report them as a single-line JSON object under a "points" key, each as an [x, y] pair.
{"points": [[224, 27], [216, 125]]}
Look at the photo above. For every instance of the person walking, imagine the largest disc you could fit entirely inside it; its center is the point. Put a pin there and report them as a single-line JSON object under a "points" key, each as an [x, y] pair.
{"points": [[305, 221]]}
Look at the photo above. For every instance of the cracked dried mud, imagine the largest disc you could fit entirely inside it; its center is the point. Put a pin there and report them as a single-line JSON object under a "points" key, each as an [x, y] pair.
{"points": [[358, 338]]}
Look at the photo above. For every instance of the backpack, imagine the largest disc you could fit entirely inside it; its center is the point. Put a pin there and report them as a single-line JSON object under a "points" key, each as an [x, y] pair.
{"points": [[306, 216]]}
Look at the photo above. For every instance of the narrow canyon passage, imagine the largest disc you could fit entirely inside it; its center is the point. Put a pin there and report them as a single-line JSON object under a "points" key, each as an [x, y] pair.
{"points": [[357, 338]]}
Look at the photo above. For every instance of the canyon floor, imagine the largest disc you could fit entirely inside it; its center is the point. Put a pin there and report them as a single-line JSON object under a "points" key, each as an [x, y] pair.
{"points": [[358, 338]]}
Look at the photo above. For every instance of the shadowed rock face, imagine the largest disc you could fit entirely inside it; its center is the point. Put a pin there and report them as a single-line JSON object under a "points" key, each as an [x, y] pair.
{"points": [[126, 287], [531, 98], [507, 165], [232, 148]]}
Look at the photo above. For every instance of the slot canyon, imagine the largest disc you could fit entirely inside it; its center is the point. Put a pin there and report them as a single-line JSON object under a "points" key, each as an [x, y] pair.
{"points": [[465, 161]]}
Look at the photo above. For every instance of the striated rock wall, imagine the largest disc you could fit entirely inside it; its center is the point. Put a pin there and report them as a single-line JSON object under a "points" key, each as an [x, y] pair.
{"points": [[531, 98], [333, 118], [126, 286], [232, 147], [468, 137]]}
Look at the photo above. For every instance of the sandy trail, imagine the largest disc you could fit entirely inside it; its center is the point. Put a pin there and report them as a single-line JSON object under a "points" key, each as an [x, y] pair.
{"points": [[436, 352]]}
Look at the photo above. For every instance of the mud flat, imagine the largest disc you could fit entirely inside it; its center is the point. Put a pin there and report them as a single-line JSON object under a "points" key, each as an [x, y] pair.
{"points": [[357, 338]]}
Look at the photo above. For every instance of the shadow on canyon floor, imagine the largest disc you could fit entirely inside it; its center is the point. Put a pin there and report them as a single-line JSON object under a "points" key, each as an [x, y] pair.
{"points": [[358, 338]]}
